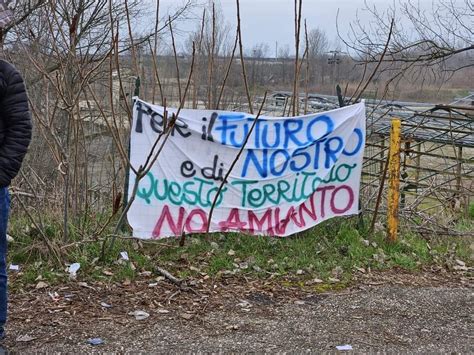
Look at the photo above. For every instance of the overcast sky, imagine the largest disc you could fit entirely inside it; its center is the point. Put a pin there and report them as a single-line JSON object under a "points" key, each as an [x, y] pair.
{"points": [[271, 21]]}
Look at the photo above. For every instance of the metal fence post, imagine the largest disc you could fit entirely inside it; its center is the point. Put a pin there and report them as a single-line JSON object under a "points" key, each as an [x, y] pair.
{"points": [[393, 180]]}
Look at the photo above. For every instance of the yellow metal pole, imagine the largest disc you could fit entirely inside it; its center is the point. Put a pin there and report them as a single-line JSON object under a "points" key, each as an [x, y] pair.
{"points": [[393, 180]]}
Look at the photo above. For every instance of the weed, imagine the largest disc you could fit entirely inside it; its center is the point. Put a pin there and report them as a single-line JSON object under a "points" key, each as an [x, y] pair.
{"points": [[331, 252]]}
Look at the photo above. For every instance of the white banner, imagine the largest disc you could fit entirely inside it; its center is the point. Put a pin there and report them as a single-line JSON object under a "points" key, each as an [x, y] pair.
{"points": [[293, 173]]}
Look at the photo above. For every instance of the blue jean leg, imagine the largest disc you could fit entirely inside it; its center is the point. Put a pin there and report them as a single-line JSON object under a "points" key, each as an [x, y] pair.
{"points": [[4, 212]]}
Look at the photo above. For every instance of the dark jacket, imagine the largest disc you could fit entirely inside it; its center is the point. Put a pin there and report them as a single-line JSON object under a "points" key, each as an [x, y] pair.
{"points": [[15, 122]]}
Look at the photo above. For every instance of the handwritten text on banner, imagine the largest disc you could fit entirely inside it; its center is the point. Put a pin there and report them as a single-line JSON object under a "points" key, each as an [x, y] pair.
{"points": [[294, 172]]}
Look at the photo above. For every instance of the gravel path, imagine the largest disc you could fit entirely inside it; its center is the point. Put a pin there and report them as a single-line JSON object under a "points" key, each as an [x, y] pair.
{"points": [[425, 314]]}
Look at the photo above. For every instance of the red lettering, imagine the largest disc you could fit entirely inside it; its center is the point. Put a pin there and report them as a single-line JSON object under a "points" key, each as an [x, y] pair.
{"points": [[311, 213], [269, 222], [176, 228], [233, 222], [350, 200], [267, 217], [323, 197], [281, 224], [203, 223]]}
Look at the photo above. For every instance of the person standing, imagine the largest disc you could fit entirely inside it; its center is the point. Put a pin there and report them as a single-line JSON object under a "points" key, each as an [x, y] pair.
{"points": [[15, 137]]}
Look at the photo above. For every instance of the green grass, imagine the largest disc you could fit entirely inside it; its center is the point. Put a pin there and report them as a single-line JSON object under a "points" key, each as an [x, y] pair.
{"points": [[330, 251]]}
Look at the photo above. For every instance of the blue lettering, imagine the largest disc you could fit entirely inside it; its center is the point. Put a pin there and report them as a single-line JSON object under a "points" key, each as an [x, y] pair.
{"points": [[233, 135], [274, 165], [301, 152], [225, 127], [252, 157], [317, 153], [329, 127], [265, 135], [360, 138], [331, 153], [290, 133]]}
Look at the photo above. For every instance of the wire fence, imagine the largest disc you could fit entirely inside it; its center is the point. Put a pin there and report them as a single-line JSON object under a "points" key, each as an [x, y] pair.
{"points": [[437, 159]]}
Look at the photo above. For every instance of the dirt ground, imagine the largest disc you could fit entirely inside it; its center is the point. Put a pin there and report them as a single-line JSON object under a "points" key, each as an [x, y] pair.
{"points": [[424, 312]]}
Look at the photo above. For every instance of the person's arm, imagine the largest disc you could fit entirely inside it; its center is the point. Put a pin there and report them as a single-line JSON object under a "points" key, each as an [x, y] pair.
{"points": [[15, 114]]}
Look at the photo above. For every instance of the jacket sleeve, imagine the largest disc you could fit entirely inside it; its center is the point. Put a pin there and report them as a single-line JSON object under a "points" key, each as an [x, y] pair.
{"points": [[15, 113]]}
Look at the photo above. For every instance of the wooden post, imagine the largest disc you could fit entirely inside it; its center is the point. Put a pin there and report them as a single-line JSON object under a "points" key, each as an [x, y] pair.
{"points": [[459, 182], [459, 171], [404, 174], [393, 180], [418, 163], [382, 155]]}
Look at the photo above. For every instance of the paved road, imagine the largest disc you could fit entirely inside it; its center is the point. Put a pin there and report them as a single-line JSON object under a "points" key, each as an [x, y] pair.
{"points": [[243, 317]]}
